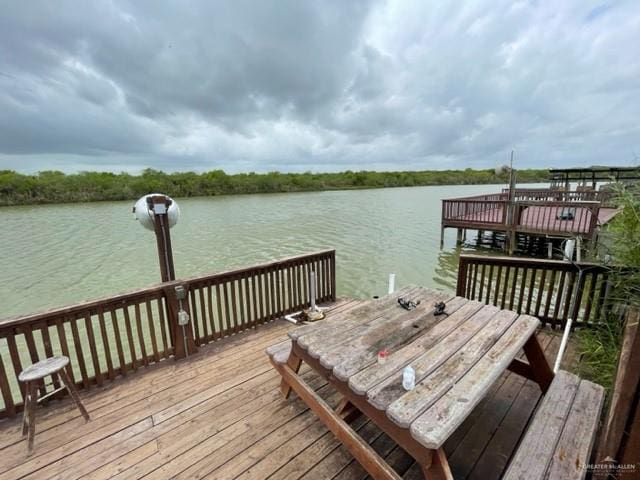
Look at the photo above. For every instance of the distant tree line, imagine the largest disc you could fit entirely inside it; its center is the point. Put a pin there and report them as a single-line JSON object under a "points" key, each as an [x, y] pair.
{"points": [[57, 187]]}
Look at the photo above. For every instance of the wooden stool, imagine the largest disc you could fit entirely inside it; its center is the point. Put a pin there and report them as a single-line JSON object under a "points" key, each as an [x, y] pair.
{"points": [[32, 377]]}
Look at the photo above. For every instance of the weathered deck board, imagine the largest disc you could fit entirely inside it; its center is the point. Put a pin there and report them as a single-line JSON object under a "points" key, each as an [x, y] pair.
{"points": [[220, 414]]}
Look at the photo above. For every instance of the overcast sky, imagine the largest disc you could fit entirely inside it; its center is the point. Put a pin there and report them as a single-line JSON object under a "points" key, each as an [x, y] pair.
{"points": [[295, 85]]}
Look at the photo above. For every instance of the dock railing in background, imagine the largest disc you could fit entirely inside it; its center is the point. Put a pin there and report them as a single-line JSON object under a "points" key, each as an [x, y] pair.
{"points": [[110, 337], [458, 212], [544, 217], [604, 197], [542, 288], [533, 211]]}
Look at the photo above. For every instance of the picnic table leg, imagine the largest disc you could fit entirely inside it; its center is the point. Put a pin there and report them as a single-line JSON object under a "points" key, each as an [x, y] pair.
{"points": [[293, 362], [361, 450], [540, 368], [439, 467], [347, 410]]}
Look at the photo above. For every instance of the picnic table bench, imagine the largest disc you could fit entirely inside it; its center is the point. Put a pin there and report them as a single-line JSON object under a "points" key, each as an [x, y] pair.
{"points": [[456, 357], [559, 439]]}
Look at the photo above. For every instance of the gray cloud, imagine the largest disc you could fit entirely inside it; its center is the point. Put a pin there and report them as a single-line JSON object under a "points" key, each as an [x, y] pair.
{"points": [[293, 85]]}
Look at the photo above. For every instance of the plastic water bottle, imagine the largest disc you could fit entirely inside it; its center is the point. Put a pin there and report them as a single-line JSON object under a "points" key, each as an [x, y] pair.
{"points": [[408, 378]]}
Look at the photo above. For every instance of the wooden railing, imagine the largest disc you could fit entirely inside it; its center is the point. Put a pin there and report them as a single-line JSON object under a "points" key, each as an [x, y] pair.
{"points": [[539, 194], [544, 194], [233, 301], [544, 218], [532, 211], [542, 288], [486, 197], [111, 337], [474, 210]]}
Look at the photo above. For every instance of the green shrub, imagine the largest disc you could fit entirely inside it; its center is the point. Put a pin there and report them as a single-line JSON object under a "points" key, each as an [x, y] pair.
{"points": [[56, 187], [600, 346]]}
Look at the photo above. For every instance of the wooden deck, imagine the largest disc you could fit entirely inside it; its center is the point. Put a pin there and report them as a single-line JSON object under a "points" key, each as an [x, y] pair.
{"points": [[220, 415], [526, 214], [538, 219]]}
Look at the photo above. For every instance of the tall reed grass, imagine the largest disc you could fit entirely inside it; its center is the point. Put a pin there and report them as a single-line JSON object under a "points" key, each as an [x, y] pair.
{"points": [[600, 347]]}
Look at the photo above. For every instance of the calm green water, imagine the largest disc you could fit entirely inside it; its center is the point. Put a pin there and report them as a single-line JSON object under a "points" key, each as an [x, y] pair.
{"points": [[56, 255]]}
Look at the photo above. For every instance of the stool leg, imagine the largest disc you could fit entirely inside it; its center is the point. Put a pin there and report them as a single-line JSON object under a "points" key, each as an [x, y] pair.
{"points": [[31, 415], [25, 423], [64, 377]]}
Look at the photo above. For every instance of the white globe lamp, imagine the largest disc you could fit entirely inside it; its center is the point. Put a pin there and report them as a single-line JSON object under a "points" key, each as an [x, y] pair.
{"points": [[144, 213], [158, 213]]}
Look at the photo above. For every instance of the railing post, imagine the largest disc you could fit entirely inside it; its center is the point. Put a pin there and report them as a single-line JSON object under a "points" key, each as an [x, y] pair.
{"points": [[5, 389], [333, 275], [577, 301], [181, 335], [463, 266], [595, 210], [442, 216]]}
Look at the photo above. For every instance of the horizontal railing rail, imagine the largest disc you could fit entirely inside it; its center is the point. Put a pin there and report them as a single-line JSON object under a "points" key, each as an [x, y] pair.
{"points": [[605, 197], [543, 194], [107, 338], [542, 288], [484, 196]]}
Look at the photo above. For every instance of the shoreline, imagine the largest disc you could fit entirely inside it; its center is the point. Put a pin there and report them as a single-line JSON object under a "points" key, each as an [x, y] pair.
{"points": [[12, 195]]}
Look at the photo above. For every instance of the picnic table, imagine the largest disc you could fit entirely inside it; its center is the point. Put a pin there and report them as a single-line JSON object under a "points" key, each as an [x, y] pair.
{"points": [[456, 356]]}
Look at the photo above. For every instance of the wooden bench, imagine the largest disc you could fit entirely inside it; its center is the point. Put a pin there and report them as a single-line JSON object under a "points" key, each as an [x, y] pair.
{"points": [[559, 439]]}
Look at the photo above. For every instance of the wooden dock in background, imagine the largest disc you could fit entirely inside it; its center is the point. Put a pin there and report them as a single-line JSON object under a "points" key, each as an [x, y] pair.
{"points": [[219, 414], [531, 212]]}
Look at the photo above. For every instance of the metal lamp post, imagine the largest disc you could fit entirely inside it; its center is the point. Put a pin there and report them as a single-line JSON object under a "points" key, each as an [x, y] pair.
{"points": [[158, 212]]}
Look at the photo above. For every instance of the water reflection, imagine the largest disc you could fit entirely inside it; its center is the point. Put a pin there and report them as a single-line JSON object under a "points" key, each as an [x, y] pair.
{"points": [[446, 271]]}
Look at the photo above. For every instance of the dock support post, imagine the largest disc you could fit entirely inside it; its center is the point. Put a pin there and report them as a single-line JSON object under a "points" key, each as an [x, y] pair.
{"points": [[578, 249], [591, 244], [510, 242], [441, 237], [459, 236]]}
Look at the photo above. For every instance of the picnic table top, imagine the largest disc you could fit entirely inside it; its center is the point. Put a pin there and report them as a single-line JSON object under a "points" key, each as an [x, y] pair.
{"points": [[456, 356]]}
